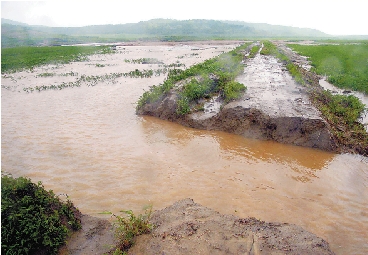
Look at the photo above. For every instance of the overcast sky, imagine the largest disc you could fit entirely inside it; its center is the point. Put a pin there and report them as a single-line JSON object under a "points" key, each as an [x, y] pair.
{"points": [[335, 17]]}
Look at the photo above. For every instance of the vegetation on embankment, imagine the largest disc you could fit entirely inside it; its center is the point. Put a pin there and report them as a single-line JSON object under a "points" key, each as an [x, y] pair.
{"points": [[128, 227], [33, 220], [340, 111], [16, 59], [215, 75], [345, 65]]}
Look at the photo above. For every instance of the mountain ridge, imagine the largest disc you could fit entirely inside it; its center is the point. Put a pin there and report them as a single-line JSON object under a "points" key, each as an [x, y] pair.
{"points": [[20, 34]]}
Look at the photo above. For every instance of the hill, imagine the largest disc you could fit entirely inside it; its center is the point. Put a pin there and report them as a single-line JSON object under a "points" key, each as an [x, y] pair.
{"points": [[20, 34]]}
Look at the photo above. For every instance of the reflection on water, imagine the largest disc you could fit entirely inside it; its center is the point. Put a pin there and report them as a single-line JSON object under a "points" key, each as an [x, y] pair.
{"points": [[304, 161], [88, 143]]}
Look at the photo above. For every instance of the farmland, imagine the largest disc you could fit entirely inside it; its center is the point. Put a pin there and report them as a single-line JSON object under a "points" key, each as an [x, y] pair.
{"points": [[15, 59], [346, 65]]}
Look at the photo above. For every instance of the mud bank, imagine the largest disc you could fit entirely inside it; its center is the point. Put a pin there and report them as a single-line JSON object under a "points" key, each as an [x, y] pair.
{"points": [[189, 228], [95, 237], [274, 107]]}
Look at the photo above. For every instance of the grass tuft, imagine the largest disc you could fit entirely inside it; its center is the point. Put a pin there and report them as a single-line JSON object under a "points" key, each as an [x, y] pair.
{"points": [[129, 226]]}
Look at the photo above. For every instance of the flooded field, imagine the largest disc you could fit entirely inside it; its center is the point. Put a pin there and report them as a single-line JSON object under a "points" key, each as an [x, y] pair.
{"points": [[362, 97], [88, 142]]}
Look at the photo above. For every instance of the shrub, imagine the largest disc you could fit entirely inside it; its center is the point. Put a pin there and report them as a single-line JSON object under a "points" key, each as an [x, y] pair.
{"points": [[34, 220]]}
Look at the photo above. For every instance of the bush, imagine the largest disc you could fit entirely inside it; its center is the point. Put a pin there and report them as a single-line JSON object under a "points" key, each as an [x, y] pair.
{"points": [[34, 220]]}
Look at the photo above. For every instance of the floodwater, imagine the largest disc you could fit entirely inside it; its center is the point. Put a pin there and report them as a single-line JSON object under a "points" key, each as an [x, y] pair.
{"points": [[89, 143]]}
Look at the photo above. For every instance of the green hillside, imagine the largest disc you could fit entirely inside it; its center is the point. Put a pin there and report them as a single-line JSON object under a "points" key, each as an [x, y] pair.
{"points": [[19, 34]]}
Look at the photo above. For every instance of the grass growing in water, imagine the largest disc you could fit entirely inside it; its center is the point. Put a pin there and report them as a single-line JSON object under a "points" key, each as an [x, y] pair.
{"points": [[19, 58], [224, 68], [345, 65]]}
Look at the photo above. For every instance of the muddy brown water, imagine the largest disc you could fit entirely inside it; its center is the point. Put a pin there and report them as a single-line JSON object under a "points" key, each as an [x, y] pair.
{"points": [[89, 143]]}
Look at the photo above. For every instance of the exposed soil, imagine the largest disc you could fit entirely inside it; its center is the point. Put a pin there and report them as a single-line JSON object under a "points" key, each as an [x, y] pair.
{"points": [[274, 107], [189, 228], [95, 237]]}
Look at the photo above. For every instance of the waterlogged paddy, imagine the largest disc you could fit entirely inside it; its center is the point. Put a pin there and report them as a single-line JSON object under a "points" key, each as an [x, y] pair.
{"points": [[88, 142]]}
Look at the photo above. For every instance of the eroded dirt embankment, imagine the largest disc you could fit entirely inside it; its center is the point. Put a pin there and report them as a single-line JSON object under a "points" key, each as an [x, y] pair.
{"points": [[274, 107], [189, 228]]}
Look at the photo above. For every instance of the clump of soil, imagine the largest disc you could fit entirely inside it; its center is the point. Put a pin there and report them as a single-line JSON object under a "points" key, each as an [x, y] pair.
{"points": [[189, 228]]}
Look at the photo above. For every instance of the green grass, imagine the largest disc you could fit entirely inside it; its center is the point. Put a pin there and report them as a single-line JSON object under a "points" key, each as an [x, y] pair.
{"points": [[345, 65], [224, 68], [342, 112], [19, 58], [129, 226], [33, 220], [253, 52]]}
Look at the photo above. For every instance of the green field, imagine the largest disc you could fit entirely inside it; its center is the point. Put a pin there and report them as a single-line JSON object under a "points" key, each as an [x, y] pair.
{"points": [[19, 58], [346, 65]]}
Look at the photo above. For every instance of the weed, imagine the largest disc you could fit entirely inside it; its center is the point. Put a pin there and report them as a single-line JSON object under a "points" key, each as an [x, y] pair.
{"points": [[183, 106], [71, 73], [254, 51], [233, 90], [46, 75], [129, 226], [143, 61]]}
